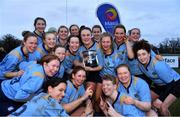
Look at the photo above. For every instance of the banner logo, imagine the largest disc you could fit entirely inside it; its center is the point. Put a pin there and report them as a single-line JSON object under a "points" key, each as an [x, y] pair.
{"points": [[111, 14], [108, 16]]}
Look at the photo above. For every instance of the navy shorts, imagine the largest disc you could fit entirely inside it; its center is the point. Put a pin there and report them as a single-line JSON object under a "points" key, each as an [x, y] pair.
{"points": [[170, 88], [7, 105], [93, 76]]}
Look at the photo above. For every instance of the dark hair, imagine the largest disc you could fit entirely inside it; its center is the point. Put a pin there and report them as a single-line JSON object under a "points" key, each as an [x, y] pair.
{"points": [[27, 34], [122, 65], [82, 27], [47, 59], [85, 28], [71, 36], [97, 26], [63, 26], [72, 26], [109, 78], [130, 31], [39, 18], [57, 46], [76, 69], [120, 26], [142, 44], [106, 34], [69, 39], [53, 82]]}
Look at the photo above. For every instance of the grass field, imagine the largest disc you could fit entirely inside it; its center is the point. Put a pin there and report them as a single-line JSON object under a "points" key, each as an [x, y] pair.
{"points": [[175, 108], [178, 70]]}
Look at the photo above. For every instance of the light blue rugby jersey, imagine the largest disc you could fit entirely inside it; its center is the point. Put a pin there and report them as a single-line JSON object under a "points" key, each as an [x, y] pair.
{"points": [[159, 72], [138, 89], [39, 53], [126, 110], [110, 63], [122, 52], [72, 93], [41, 105], [11, 61], [23, 88], [133, 65], [68, 61], [26, 65], [39, 38], [60, 72]]}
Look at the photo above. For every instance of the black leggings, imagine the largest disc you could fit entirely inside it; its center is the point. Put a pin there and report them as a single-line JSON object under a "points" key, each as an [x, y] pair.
{"points": [[7, 106]]}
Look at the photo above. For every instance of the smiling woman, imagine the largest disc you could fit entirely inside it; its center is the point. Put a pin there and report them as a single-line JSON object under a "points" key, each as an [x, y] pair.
{"points": [[76, 94], [46, 103], [40, 25], [10, 63], [16, 91], [166, 80], [138, 98], [44, 48]]}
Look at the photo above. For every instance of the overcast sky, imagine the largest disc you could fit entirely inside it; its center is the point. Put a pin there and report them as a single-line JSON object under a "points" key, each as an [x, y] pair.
{"points": [[157, 19]]}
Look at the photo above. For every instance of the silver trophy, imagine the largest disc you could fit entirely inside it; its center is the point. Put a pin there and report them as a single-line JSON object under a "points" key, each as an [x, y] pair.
{"points": [[90, 58]]}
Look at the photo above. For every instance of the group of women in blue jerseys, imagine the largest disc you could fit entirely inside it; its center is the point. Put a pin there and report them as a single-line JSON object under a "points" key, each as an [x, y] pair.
{"points": [[84, 72]]}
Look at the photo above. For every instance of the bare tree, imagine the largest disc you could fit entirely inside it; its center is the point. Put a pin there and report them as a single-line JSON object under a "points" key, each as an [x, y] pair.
{"points": [[7, 43], [170, 46]]}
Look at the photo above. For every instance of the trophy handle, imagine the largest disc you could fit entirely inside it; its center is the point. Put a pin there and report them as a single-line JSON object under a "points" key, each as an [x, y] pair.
{"points": [[97, 60]]}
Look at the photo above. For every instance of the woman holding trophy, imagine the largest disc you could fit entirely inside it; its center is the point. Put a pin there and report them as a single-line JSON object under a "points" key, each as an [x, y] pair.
{"points": [[90, 57]]}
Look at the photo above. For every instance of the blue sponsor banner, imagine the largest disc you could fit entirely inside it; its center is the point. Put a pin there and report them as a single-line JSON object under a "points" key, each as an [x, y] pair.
{"points": [[108, 16]]}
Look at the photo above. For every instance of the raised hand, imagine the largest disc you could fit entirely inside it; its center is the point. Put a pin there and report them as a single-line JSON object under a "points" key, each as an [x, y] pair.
{"points": [[111, 111], [88, 93]]}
